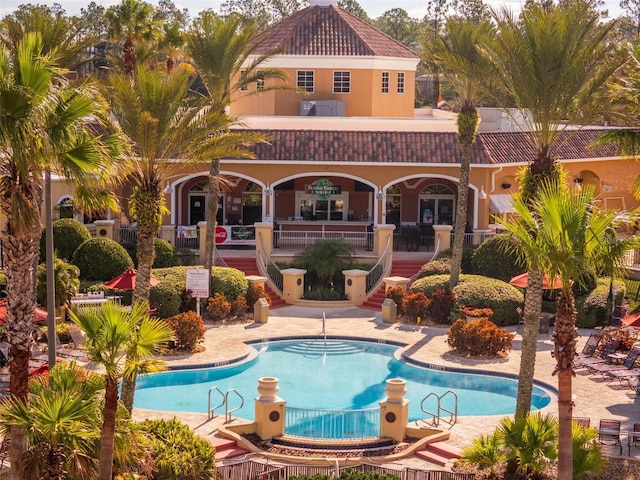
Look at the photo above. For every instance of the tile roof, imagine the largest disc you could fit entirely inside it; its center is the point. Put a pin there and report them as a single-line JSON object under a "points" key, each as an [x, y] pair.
{"points": [[326, 146], [329, 30]]}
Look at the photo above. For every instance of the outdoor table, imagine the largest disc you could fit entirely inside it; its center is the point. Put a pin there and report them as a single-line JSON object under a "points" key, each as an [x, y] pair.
{"points": [[617, 357]]}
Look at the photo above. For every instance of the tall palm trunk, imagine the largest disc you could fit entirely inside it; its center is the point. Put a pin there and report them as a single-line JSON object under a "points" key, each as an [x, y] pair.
{"points": [[148, 208], [213, 191], [530, 332], [565, 337], [467, 127], [105, 465]]}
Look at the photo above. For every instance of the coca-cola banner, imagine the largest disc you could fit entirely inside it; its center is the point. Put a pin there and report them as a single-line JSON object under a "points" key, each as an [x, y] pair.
{"points": [[235, 235]]}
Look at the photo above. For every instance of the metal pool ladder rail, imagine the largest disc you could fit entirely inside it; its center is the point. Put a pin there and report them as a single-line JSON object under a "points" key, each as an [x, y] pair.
{"points": [[437, 416], [225, 402]]}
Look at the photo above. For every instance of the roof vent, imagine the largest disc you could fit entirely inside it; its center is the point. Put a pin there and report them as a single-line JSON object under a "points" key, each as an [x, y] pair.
{"points": [[323, 3]]}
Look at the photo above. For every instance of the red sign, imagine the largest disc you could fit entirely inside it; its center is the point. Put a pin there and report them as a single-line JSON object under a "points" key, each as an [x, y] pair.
{"points": [[221, 235]]}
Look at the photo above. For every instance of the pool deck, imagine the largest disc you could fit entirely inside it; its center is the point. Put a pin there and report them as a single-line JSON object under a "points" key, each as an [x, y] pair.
{"points": [[595, 398]]}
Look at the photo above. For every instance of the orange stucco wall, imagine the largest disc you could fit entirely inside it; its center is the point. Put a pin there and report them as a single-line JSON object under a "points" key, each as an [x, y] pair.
{"points": [[365, 99]]}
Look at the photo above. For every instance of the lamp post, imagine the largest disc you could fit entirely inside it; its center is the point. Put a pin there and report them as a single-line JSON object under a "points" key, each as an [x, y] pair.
{"points": [[51, 283]]}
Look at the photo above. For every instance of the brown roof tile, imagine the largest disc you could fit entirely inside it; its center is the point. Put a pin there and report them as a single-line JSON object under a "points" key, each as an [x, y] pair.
{"points": [[325, 146], [329, 30]]}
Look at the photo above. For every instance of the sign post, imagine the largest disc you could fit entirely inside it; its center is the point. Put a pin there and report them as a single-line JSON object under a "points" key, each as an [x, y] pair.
{"points": [[198, 284]]}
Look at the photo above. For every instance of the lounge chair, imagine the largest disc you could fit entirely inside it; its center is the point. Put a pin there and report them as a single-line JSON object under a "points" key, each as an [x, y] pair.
{"points": [[609, 433], [607, 350], [627, 364], [76, 353], [591, 344], [633, 439]]}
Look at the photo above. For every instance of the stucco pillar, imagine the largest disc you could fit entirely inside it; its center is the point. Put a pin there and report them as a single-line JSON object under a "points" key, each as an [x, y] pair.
{"points": [[168, 233], [443, 233], [393, 282], [292, 284], [104, 228], [381, 234], [394, 410], [264, 238], [257, 280], [269, 409], [202, 238], [355, 285]]}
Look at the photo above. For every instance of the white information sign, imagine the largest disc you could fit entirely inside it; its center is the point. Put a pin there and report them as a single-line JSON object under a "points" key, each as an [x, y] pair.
{"points": [[198, 282]]}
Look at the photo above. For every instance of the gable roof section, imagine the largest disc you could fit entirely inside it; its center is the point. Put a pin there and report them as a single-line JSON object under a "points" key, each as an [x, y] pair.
{"points": [[326, 146], [329, 31]]}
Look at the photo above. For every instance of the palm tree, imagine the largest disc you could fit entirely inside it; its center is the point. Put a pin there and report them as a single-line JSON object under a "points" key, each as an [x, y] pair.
{"points": [[224, 54], [456, 54], [42, 126], [549, 62], [125, 344], [565, 236], [62, 422], [133, 21]]}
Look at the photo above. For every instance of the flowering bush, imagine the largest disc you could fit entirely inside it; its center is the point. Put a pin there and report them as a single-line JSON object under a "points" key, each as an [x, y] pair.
{"points": [[188, 328], [481, 337], [476, 312]]}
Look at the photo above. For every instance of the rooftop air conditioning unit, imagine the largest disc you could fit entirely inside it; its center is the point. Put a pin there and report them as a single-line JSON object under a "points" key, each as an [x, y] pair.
{"points": [[307, 108]]}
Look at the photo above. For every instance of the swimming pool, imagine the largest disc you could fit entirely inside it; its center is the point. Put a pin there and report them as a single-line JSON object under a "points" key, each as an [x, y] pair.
{"points": [[344, 375]]}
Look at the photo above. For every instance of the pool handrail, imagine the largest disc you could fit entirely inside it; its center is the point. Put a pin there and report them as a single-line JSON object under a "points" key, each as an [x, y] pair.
{"points": [[227, 412], [437, 415], [211, 411]]}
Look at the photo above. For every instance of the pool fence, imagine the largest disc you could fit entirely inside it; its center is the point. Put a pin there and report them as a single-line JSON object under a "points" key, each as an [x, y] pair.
{"points": [[253, 470]]}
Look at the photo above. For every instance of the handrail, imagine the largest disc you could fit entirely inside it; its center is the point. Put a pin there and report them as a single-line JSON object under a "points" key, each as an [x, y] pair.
{"points": [[268, 267], [414, 277], [216, 254], [437, 416], [211, 411], [376, 274], [227, 412]]}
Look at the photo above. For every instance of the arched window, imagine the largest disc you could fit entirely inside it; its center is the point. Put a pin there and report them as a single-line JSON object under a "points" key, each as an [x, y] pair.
{"points": [[437, 205], [64, 208]]}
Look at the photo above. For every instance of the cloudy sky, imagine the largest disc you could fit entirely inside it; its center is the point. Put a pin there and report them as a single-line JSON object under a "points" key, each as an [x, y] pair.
{"points": [[374, 8]]}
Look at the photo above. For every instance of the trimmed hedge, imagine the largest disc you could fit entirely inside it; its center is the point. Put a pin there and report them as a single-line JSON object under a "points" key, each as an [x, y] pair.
{"points": [[498, 257], [477, 291], [230, 282], [101, 258], [467, 253], [68, 235], [593, 309], [440, 266], [166, 254]]}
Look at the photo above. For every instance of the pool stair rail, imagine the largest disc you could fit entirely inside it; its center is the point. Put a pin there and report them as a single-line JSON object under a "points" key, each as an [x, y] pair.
{"points": [[227, 448], [450, 397], [440, 453], [211, 411]]}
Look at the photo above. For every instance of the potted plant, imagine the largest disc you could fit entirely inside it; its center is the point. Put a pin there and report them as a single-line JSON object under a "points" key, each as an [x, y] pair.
{"points": [[474, 313]]}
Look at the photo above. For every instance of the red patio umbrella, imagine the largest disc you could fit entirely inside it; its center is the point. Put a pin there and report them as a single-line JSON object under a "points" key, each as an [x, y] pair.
{"points": [[521, 281], [127, 281], [632, 320], [39, 315]]}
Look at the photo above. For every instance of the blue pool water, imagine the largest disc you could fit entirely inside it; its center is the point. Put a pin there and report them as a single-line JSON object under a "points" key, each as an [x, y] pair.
{"points": [[347, 375]]}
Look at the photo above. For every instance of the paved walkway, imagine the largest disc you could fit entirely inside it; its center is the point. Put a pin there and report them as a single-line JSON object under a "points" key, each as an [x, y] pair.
{"points": [[595, 398]]}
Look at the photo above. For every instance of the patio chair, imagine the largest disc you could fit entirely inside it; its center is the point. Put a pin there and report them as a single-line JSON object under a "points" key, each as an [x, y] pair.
{"points": [[609, 433], [633, 439], [591, 344], [607, 350], [582, 421], [76, 353]]}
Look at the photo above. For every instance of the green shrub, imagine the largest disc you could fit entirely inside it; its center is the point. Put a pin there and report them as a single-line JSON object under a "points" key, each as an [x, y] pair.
{"points": [[166, 254], [66, 282], [62, 330], [442, 301], [188, 329], [397, 294], [167, 296], [440, 266], [479, 337], [324, 294], [498, 257], [594, 308], [481, 292], [177, 453], [326, 259], [101, 259], [467, 253], [229, 282], [416, 305], [68, 235], [218, 307]]}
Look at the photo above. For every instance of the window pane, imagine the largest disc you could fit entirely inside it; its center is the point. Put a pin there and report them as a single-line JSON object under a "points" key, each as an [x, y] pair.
{"points": [[400, 82], [305, 80], [385, 82], [341, 82]]}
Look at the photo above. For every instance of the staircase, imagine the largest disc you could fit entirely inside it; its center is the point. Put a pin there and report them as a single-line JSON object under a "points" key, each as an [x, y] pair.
{"points": [[249, 266], [399, 268], [227, 448], [440, 453]]}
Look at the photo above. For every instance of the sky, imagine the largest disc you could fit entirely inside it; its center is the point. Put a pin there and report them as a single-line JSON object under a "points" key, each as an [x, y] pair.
{"points": [[374, 8]]}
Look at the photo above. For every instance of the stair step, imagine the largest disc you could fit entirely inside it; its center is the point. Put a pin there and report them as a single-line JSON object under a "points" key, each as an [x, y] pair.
{"points": [[230, 453], [445, 449], [223, 443], [431, 456]]}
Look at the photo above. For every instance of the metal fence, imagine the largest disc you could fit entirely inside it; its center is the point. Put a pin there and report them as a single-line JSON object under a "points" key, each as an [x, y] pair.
{"points": [[333, 424], [296, 239], [252, 470]]}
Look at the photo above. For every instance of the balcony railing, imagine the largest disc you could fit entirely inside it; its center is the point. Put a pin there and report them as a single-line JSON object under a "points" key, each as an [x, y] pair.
{"points": [[333, 424]]}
